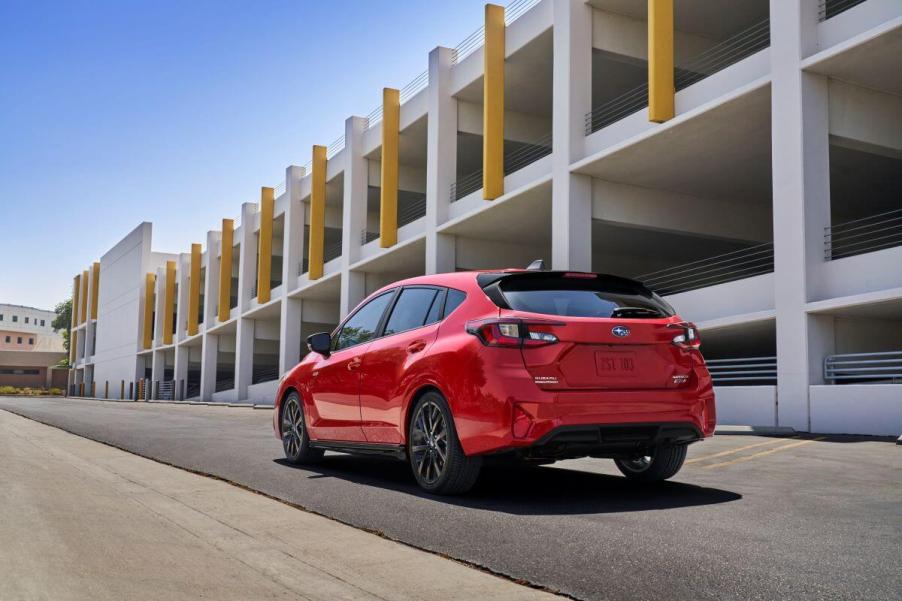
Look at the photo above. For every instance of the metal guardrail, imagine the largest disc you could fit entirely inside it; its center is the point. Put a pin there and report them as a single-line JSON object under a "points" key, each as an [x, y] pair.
{"points": [[886, 366], [718, 57], [743, 369], [831, 8], [525, 155], [719, 269], [266, 373], [476, 39], [859, 236]]}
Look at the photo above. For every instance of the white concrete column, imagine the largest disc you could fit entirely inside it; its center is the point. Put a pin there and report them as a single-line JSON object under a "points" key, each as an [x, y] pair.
{"points": [[441, 160], [211, 278], [244, 357], [293, 237], [157, 369], [159, 302], [353, 220], [801, 201], [180, 371], [247, 259], [209, 351], [290, 336], [571, 194]]}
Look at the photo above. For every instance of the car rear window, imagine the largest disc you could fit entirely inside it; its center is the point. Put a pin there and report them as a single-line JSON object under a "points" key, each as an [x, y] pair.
{"points": [[579, 295]]}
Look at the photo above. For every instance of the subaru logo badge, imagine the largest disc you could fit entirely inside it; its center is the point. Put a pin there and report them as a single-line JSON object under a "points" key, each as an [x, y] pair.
{"points": [[620, 331]]}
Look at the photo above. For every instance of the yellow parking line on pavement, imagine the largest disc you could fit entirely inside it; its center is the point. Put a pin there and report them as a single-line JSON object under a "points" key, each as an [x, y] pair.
{"points": [[763, 453], [737, 450]]}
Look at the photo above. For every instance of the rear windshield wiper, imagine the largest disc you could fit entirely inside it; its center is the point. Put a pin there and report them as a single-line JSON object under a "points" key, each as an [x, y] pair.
{"points": [[635, 312]]}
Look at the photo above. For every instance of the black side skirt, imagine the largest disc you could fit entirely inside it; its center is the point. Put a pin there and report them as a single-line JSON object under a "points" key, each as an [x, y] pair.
{"points": [[397, 451]]}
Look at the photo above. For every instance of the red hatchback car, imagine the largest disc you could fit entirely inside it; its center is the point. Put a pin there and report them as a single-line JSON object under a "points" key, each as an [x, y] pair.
{"points": [[444, 370]]}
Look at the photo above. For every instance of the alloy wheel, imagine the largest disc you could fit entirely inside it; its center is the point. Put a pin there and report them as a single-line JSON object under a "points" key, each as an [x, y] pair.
{"points": [[292, 427], [429, 442]]}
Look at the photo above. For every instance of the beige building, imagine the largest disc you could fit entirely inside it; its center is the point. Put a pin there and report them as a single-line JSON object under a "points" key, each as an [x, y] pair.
{"points": [[29, 348]]}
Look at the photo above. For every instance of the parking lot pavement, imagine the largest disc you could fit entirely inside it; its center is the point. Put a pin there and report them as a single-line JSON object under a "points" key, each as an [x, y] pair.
{"points": [[82, 520], [748, 517]]}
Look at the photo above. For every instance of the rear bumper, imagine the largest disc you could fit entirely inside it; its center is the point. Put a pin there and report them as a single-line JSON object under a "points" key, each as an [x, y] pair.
{"points": [[622, 440]]}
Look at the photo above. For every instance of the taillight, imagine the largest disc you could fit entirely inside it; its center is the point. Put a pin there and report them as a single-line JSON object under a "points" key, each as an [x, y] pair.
{"points": [[689, 339], [513, 333]]}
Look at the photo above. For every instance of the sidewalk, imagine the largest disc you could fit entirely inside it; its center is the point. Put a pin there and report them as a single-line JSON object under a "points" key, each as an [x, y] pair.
{"points": [[82, 520]]}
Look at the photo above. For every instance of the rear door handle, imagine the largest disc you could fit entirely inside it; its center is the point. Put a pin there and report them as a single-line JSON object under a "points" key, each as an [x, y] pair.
{"points": [[353, 364], [416, 347]]}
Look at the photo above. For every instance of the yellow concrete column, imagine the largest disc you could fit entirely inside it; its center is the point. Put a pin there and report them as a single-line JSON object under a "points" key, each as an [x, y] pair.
{"points": [[150, 282], [660, 61], [76, 290], [493, 104], [264, 245], [95, 288], [194, 290], [317, 214], [225, 269], [388, 207], [169, 302], [83, 298]]}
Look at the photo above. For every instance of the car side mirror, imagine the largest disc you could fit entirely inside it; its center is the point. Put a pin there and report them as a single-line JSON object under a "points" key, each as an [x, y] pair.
{"points": [[321, 343]]}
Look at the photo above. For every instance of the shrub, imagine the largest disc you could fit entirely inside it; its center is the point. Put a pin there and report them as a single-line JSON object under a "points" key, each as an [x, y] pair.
{"points": [[8, 390]]}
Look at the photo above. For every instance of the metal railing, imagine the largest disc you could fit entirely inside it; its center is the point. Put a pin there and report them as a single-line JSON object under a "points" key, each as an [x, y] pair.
{"points": [[476, 39], [831, 8], [331, 251], [226, 384], [335, 147], [743, 369], [859, 236], [712, 60], [521, 157], [264, 373], [883, 367], [166, 390], [413, 88], [719, 269], [407, 213], [720, 56]]}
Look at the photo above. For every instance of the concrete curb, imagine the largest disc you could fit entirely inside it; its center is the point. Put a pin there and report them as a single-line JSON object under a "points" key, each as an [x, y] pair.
{"points": [[755, 430]]}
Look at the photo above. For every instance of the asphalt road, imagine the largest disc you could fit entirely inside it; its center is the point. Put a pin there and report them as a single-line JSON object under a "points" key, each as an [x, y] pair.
{"points": [[746, 518]]}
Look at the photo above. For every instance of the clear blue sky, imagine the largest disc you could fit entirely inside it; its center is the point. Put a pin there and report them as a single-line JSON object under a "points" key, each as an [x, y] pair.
{"points": [[118, 112]]}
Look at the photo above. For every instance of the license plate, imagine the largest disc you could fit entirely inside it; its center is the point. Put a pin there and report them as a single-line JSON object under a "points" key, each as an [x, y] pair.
{"points": [[608, 363]]}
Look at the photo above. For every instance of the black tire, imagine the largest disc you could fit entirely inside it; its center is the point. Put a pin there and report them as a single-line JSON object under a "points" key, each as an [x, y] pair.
{"points": [[438, 462], [663, 463], [295, 441]]}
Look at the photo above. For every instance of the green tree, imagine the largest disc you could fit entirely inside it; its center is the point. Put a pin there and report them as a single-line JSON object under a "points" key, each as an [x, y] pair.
{"points": [[62, 322]]}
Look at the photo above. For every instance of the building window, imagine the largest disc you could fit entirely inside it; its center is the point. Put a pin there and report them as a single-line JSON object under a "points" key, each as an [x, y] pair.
{"points": [[8, 340], [15, 318], [42, 323], [31, 341], [1, 316], [26, 319], [18, 340]]}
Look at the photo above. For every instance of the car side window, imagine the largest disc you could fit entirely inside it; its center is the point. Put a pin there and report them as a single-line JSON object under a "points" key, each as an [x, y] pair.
{"points": [[362, 326], [455, 298], [435, 311], [411, 309]]}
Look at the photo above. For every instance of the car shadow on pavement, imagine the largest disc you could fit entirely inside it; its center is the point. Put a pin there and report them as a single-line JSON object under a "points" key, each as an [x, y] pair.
{"points": [[526, 490]]}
